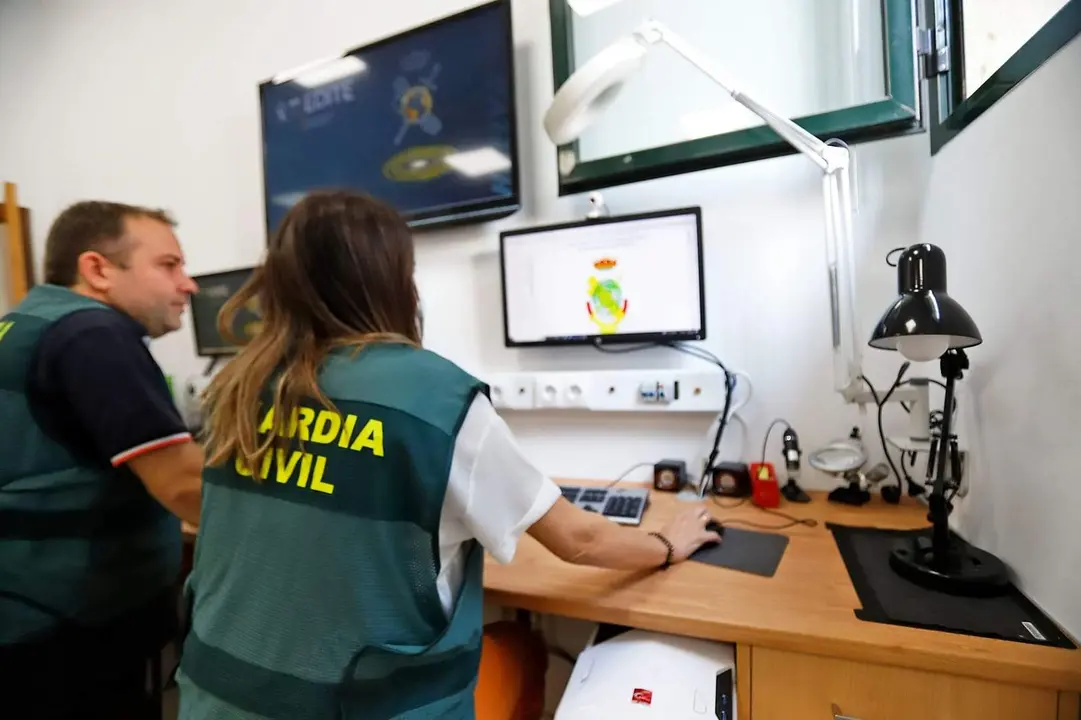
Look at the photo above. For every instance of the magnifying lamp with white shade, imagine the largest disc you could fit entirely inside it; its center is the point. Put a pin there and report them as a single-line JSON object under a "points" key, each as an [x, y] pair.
{"points": [[589, 92]]}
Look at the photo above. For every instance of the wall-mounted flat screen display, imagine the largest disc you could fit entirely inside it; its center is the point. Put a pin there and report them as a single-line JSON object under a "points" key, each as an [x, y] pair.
{"points": [[424, 120]]}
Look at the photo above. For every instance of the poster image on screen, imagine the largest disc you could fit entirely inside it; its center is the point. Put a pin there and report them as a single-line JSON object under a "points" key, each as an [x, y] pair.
{"points": [[424, 120], [634, 278], [214, 290]]}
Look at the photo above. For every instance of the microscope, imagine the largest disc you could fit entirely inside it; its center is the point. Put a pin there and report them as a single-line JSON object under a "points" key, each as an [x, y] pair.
{"points": [[792, 492]]}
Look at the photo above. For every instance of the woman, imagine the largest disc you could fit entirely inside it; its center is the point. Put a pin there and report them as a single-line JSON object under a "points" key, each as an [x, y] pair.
{"points": [[353, 482]]}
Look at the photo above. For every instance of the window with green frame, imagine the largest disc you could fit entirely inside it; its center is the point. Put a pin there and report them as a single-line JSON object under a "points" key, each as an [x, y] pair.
{"points": [[957, 95], [896, 113]]}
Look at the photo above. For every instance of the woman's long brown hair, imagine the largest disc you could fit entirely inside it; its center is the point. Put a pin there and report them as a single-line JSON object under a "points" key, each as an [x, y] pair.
{"points": [[338, 272]]}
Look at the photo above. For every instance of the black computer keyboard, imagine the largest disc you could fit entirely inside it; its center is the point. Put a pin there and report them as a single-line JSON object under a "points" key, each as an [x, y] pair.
{"points": [[622, 505]]}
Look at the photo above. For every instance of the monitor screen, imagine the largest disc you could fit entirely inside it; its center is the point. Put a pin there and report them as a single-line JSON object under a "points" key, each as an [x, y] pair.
{"points": [[634, 278], [424, 120], [214, 290]]}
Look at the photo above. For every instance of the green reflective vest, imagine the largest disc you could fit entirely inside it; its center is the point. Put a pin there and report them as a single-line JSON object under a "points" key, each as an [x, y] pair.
{"points": [[81, 545], [314, 586]]}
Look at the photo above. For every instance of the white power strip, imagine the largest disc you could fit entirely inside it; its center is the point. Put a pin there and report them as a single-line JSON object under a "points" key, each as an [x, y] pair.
{"points": [[610, 391]]}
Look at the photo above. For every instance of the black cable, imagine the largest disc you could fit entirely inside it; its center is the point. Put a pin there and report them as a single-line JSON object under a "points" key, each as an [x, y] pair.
{"points": [[893, 252], [622, 349], [914, 381], [903, 478], [729, 388], [628, 471], [792, 521], [701, 354]]}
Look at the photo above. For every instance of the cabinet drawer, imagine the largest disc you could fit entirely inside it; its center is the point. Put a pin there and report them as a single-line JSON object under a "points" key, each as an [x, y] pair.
{"points": [[792, 686]]}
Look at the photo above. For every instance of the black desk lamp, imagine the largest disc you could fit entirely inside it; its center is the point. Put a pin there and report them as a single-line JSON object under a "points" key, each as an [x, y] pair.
{"points": [[925, 323]]}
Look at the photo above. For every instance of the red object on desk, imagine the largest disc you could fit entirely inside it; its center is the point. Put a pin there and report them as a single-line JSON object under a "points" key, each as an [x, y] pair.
{"points": [[765, 492]]}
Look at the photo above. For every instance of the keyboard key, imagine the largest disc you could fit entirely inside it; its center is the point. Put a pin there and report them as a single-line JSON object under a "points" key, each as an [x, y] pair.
{"points": [[571, 493]]}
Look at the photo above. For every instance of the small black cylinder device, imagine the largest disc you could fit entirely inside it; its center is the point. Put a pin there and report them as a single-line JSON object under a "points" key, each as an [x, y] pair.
{"points": [[791, 451]]}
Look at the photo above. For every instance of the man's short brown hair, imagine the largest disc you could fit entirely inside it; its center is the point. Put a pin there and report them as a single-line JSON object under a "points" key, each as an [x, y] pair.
{"points": [[91, 225]]}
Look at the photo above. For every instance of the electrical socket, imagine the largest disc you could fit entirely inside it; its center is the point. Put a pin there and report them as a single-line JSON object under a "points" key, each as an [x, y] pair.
{"points": [[611, 391], [547, 390], [575, 392], [512, 391]]}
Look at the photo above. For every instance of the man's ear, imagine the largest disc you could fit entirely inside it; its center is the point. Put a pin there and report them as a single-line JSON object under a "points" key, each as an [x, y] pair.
{"points": [[93, 270]]}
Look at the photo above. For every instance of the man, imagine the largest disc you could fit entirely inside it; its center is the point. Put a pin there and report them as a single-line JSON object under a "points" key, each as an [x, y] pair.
{"points": [[97, 467]]}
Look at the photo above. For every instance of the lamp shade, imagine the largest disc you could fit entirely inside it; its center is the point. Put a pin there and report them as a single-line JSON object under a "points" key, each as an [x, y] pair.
{"points": [[924, 321], [591, 89]]}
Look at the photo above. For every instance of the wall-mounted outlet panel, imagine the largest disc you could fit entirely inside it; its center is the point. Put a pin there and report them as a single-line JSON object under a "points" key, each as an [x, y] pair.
{"points": [[615, 390], [512, 391]]}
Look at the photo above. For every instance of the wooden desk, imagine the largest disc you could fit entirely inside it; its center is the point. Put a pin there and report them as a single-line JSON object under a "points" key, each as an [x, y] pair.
{"points": [[800, 648]]}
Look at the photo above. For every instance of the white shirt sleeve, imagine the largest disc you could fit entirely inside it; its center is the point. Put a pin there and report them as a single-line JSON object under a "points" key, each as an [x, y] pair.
{"points": [[494, 493]]}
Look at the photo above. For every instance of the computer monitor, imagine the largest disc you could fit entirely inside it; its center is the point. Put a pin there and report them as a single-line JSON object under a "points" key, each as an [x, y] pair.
{"points": [[214, 290], [627, 279], [424, 120]]}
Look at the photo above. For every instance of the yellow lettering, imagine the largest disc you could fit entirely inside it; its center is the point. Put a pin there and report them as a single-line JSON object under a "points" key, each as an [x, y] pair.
{"points": [[312, 470], [268, 421], [317, 477], [301, 423], [264, 471], [286, 468], [4, 327], [370, 437], [243, 470], [327, 425], [305, 470], [347, 433]]}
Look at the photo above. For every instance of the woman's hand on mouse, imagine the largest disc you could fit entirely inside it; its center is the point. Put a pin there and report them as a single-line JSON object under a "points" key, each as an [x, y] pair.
{"points": [[687, 532]]}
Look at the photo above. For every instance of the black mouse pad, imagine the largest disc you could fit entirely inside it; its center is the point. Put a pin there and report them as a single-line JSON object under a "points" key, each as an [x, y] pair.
{"points": [[888, 598], [746, 550]]}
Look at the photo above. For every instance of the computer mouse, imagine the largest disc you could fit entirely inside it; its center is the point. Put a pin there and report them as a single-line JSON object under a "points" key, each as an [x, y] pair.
{"points": [[714, 526]]}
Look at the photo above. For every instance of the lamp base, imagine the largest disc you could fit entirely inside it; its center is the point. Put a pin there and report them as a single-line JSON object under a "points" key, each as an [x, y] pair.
{"points": [[965, 570]]}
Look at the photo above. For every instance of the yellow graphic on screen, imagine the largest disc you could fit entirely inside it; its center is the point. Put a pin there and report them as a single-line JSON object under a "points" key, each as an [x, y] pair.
{"points": [[414, 103], [606, 305], [418, 163]]}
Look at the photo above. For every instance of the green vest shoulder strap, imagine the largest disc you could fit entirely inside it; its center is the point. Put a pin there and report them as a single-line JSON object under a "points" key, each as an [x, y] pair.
{"points": [[52, 302]]}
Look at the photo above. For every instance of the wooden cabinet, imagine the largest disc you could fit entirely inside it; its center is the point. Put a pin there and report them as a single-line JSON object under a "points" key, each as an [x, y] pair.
{"points": [[793, 686]]}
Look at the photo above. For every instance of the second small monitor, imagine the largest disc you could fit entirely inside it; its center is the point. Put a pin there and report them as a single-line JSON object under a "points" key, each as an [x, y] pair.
{"points": [[633, 278], [214, 290]]}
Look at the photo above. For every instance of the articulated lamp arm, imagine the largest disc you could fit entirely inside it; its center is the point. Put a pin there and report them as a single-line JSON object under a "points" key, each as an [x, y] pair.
{"points": [[833, 160], [827, 157]]}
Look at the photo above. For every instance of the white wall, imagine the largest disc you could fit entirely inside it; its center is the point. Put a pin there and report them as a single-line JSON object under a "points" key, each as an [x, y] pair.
{"points": [[996, 29], [155, 102], [1002, 202]]}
